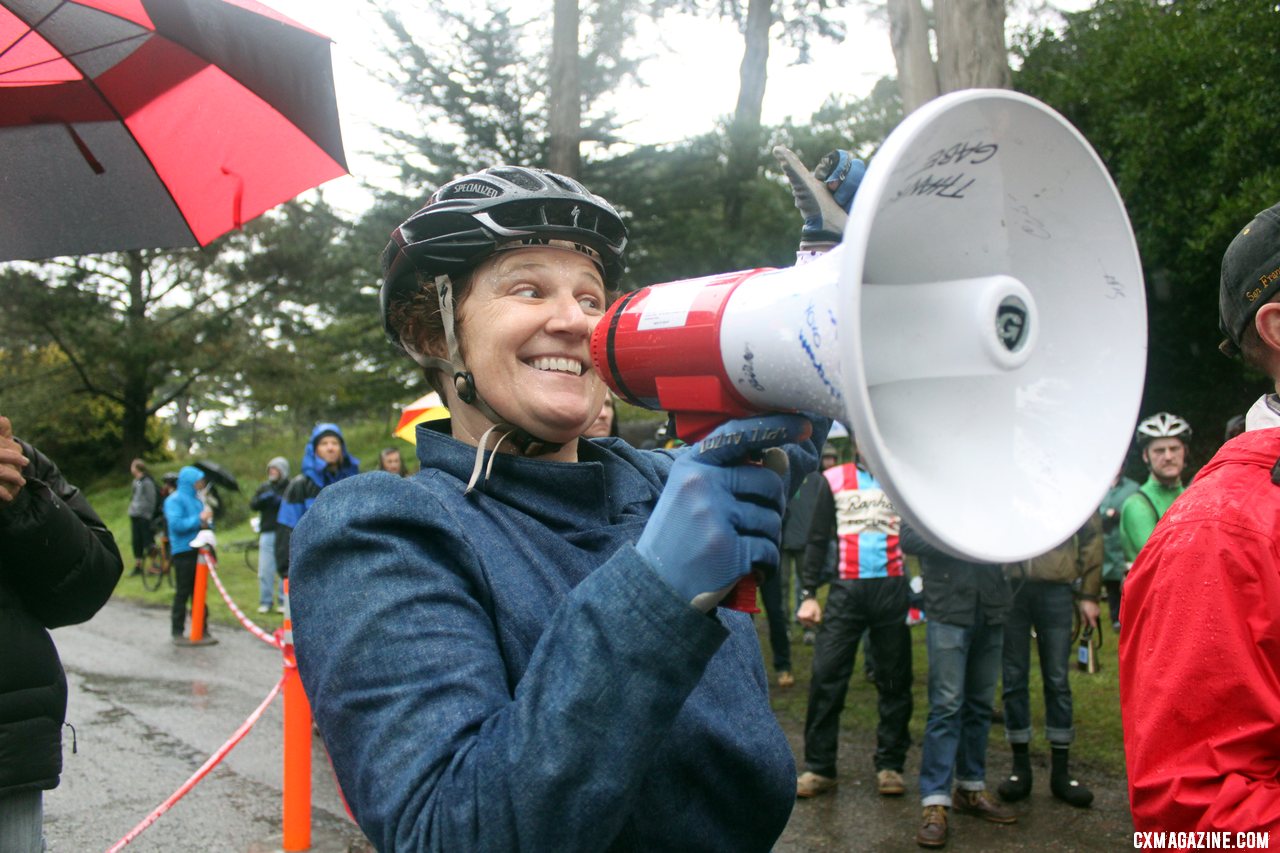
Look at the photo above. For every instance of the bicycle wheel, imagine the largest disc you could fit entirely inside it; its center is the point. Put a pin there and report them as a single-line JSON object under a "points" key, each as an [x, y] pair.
{"points": [[154, 569]]}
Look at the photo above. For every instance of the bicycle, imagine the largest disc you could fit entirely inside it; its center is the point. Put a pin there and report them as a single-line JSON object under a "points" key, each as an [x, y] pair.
{"points": [[249, 547], [157, 565]]}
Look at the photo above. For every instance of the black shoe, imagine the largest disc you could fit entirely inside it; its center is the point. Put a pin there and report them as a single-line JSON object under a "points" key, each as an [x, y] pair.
{"points": [[1016, 787], [1071, 792]]}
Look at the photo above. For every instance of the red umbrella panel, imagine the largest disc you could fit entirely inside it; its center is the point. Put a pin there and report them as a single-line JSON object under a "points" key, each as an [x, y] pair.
{"points": [[128, 124]]}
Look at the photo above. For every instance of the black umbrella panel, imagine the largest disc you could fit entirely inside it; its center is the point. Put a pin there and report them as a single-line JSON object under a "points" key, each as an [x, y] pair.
{"points": [[219, 476]]}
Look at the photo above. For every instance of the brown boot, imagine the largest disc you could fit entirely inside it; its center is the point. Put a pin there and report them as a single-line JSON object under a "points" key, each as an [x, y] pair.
{"points": [[810, 784], [933, 827], [983, 805]]}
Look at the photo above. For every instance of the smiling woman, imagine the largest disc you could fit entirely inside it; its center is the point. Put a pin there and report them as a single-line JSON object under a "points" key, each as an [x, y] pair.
{"points": [[525, 660]]}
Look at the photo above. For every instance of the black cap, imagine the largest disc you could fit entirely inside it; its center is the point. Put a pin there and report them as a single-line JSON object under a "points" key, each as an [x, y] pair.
{"points": [[1250, 276]]}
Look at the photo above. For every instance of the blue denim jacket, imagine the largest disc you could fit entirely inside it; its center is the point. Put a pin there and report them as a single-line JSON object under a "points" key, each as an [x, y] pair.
{"points": [[503, 671]]}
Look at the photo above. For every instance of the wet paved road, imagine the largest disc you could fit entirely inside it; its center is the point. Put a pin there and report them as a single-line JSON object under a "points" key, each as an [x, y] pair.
{"points": [[147, 715]]}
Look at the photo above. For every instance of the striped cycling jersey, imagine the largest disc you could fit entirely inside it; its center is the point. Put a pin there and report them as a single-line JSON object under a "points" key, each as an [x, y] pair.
{"points": [[866, 525]]}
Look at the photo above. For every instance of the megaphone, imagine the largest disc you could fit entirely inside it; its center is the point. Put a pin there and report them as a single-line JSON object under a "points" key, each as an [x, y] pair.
{"points": [[982, 328]]}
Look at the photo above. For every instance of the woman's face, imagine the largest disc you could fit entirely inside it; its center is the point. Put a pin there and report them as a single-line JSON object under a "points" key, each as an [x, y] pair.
{"points": [[602, 426], [392, 462], [525, 329]]}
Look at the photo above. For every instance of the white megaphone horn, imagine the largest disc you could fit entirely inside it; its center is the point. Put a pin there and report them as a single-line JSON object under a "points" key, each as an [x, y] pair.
{"points": [[982, 327]]}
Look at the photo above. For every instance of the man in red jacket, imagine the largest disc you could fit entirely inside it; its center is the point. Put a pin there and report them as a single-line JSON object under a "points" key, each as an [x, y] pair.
{"points": [[1200, 652]]}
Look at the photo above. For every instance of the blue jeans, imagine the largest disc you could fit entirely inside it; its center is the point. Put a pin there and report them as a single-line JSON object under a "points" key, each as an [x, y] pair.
{"points": [[964, 663], [268, 580], [21, 816], [1047, 607]]}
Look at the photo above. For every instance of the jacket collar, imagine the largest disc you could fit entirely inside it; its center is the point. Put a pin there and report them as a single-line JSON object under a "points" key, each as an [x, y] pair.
{"points": [[598, 489]]}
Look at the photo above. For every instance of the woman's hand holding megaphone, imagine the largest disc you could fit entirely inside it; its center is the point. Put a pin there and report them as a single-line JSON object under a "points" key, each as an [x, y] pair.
{"points": [[719, 515]]}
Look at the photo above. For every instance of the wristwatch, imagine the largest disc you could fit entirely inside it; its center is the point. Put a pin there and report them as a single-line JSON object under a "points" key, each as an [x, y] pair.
{"points": [[806, 594]]}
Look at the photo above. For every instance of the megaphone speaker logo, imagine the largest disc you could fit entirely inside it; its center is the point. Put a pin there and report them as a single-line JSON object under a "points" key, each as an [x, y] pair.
{"points": [[1011, 323]]}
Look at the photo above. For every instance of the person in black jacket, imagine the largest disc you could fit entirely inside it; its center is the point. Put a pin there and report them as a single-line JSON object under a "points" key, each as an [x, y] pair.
{"points": [[968, 605], [267, 502], [58, 566]]}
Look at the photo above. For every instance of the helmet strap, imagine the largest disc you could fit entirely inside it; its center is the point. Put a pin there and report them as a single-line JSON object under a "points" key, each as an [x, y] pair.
{"points": [[464, 383]]}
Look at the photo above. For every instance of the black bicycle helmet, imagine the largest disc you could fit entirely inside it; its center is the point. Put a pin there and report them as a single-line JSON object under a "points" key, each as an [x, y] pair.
{"points": [[467, 219]]}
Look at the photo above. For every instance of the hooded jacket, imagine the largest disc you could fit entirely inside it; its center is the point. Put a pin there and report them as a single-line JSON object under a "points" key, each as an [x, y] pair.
{"points": [[304, 488], [58, 566], [182, 510], [1200, 651], [266, 500]]}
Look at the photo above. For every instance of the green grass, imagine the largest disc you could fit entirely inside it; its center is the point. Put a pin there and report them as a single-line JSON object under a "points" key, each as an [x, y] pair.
{"points": [[247, 460], [1099, 743]]}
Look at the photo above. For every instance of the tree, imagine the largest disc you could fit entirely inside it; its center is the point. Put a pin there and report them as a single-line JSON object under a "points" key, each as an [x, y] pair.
{"points": [[565, 125], [1177, 98], [486, 93], [143, 329], [970, 43], [800, 22], [675, 234]]}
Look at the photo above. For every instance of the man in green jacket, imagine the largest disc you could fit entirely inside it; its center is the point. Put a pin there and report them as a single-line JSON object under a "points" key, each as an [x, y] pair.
{"points": [[1164, 438]]}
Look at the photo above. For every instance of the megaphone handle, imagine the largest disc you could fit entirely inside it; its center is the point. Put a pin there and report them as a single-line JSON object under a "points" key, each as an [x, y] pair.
{"points": [[743, 596]]}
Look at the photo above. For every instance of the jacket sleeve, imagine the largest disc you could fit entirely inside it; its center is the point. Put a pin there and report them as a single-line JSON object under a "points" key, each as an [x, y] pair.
{"points": [[55, 552], [265, 498], [822, 527], [434, 745], [1089, 558], [292, 505], [913, 543], [1200, 680]]}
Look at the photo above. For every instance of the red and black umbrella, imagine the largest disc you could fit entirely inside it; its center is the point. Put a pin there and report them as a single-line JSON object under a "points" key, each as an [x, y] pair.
{"points": [[130, 124]]}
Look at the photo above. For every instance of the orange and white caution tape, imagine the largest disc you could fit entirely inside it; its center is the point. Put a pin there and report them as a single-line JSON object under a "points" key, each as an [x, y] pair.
{"points": [[258, 632]]}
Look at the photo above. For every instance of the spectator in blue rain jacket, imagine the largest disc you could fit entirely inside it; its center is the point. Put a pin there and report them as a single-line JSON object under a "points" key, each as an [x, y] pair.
{"points": [[185, 514], [324, 462]]}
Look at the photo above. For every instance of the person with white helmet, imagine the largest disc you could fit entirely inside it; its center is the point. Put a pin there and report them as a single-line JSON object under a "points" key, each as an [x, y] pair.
{"points": [[520, 648], [1163, 438], [1200, 650]]}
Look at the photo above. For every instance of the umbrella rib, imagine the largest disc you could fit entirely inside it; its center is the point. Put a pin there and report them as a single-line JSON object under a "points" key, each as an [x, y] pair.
{"points": [[88, 81], [66, 56]]}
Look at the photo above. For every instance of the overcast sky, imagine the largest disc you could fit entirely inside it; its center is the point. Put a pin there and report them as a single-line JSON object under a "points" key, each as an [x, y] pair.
{"points": [[690, 81]]}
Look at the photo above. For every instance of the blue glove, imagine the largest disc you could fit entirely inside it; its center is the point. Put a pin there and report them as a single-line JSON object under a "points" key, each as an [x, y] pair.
{"points": [[824, 197], [718, 515]]}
